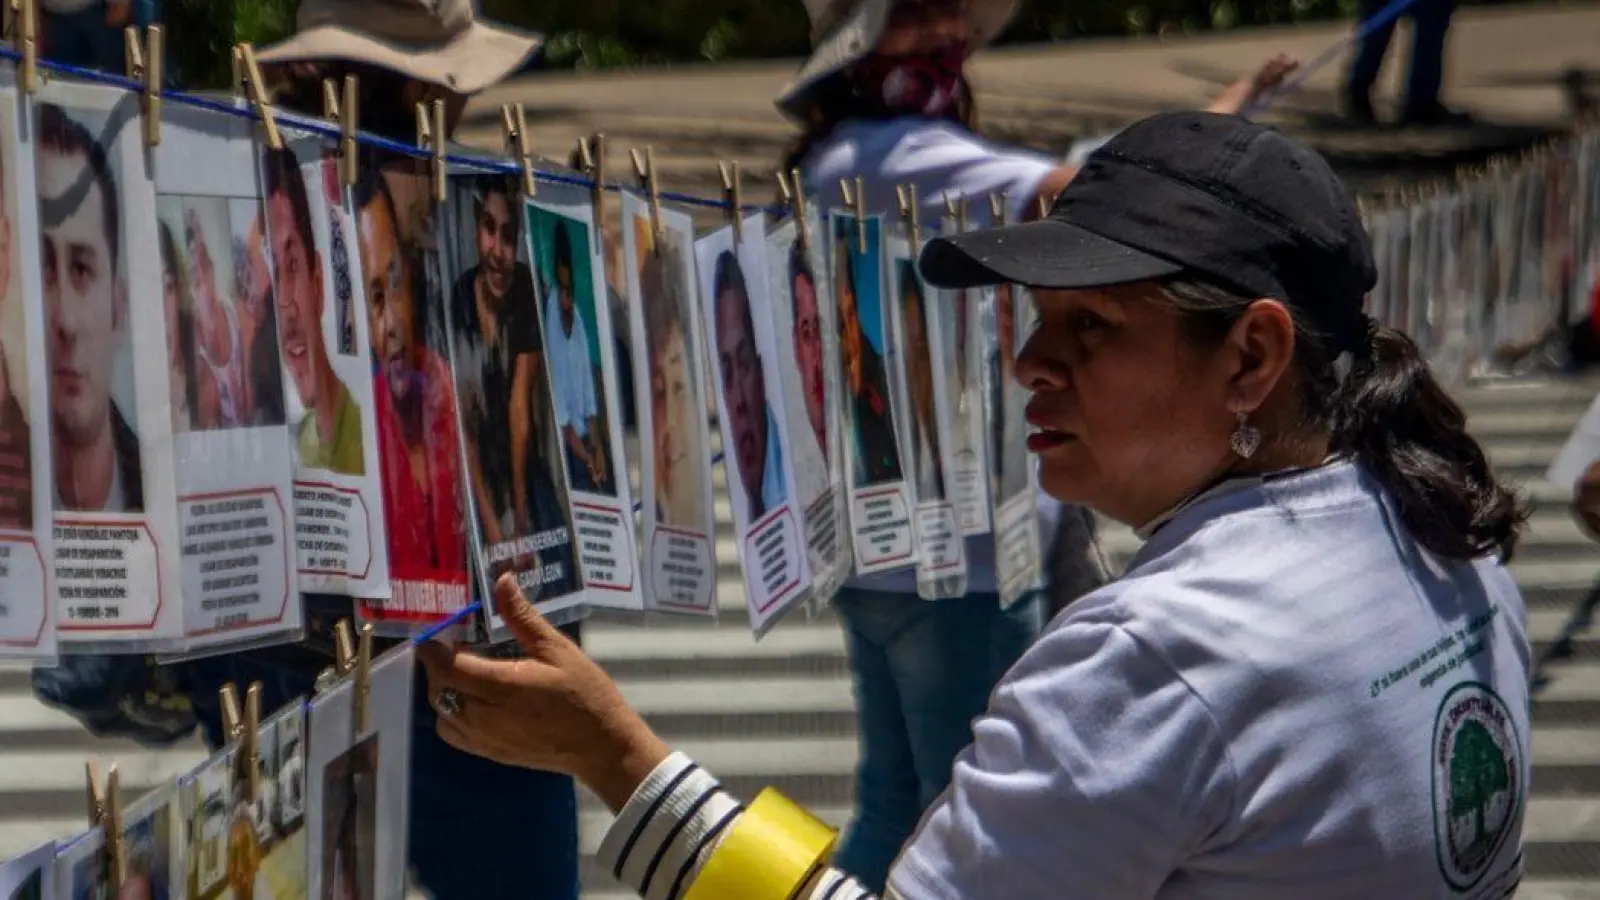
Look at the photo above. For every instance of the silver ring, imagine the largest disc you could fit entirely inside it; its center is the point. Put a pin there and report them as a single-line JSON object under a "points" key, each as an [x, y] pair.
{"points": [[448, 702]]}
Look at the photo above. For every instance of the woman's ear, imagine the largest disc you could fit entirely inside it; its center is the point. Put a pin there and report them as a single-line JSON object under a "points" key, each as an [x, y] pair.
{"points": [[1261, 345]]}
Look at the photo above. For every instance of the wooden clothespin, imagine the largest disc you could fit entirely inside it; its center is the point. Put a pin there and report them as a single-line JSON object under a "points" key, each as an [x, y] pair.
{"points": [[27, 41], [644, 168], [997, 210], [793, 191], [956, 208], [907, 194], [144, 66], [244, 729], [855, 197], [341, 107], [105, 813], [514, 125], [361, 703], [431, 137], [257, 90], [592, 159], [730, 194]]}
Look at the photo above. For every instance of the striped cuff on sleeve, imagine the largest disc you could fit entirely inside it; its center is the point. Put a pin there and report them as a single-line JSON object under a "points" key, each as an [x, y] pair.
{"points": [[835, 885], [667, 829]]}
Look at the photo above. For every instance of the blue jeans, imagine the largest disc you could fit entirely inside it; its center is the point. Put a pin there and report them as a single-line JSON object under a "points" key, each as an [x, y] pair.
{"points": [[922, 671], [1430, 21], [523, 825]]}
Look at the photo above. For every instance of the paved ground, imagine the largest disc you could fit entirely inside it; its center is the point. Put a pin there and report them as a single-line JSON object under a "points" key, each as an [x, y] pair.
{"points": [[1507, 66]]}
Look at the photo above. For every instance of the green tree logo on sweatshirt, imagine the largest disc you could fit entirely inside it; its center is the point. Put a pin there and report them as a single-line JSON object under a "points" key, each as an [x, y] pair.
{"points": [[1477, 782]]}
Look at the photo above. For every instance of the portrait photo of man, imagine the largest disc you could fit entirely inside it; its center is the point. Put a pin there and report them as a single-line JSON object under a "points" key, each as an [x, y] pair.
{"points": [[866, 402], [506, 419], [808, 353], [574, 370], [757, 449], [16, 437], [328, 436], [413, 400], [94, 445]]}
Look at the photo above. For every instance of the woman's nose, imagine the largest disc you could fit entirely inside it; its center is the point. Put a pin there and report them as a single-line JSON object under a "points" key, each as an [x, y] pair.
{"points": [[1036, 370]]}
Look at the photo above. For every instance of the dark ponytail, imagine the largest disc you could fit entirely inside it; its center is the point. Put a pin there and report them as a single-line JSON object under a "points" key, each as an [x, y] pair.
{"points": [[1388, 413], [1392, 415]]}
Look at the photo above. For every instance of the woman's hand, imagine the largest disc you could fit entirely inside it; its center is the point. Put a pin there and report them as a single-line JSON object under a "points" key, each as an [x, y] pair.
{"points": [[556, 709], [1245, 93]]}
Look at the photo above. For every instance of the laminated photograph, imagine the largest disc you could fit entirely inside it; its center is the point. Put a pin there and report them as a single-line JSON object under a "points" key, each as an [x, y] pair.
{"points": [[357, 784], [27, 581], [1018, 544], [117, 535], [924, 430], [414, 398], [230, 445], [340, 541], [580, 357], [881, 529], [807, 344], [679, 523], [30, 875], [152, 855], [521, 519], [756, 455], [959, 324]]}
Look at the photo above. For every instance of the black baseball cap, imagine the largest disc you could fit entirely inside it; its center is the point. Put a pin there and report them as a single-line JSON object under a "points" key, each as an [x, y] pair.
{"points": [[1214, 196]]}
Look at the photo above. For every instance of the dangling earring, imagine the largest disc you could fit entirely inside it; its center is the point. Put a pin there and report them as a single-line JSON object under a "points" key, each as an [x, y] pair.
{"points": [[1246, 438]]}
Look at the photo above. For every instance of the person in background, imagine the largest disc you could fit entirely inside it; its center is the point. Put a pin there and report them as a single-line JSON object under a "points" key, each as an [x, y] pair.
{"points": [[885, 97], [1430, 24], [88, 33], [1312, 682]]}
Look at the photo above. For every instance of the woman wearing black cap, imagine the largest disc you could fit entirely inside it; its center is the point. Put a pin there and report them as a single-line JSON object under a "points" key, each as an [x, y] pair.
{"points": [[1312, 680]]}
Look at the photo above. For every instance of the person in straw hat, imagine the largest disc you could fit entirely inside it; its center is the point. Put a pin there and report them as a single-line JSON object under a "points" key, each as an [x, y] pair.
{"points": [[885, 96], [405, 52]]}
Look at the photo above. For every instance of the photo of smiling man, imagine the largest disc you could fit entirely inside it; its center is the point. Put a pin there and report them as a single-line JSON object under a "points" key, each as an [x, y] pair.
{"points": [[329, 435]]}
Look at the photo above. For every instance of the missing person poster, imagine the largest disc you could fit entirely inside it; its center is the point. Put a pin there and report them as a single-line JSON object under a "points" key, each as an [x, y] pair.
{"points": [[413, 396], [880, 500], [1018, 549], [680, 556], [230, 442], [357, 780], [521, 517], [577, 340], [807, 345], [959, 323], [116, 535], [327, 366], [924, 432], [27, 582], [750, 402]]}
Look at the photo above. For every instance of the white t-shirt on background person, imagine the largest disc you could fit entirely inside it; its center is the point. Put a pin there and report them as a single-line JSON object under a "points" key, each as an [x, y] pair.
{"points": [[938, 158]]}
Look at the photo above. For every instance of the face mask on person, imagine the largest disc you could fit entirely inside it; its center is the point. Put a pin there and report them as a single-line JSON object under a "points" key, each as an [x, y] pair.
{"points": [[922, 84]]}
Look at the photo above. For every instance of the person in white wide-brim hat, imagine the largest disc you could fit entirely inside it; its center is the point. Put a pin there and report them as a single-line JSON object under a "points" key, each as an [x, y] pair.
{"points": [[885, 96], [405, 50]]}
